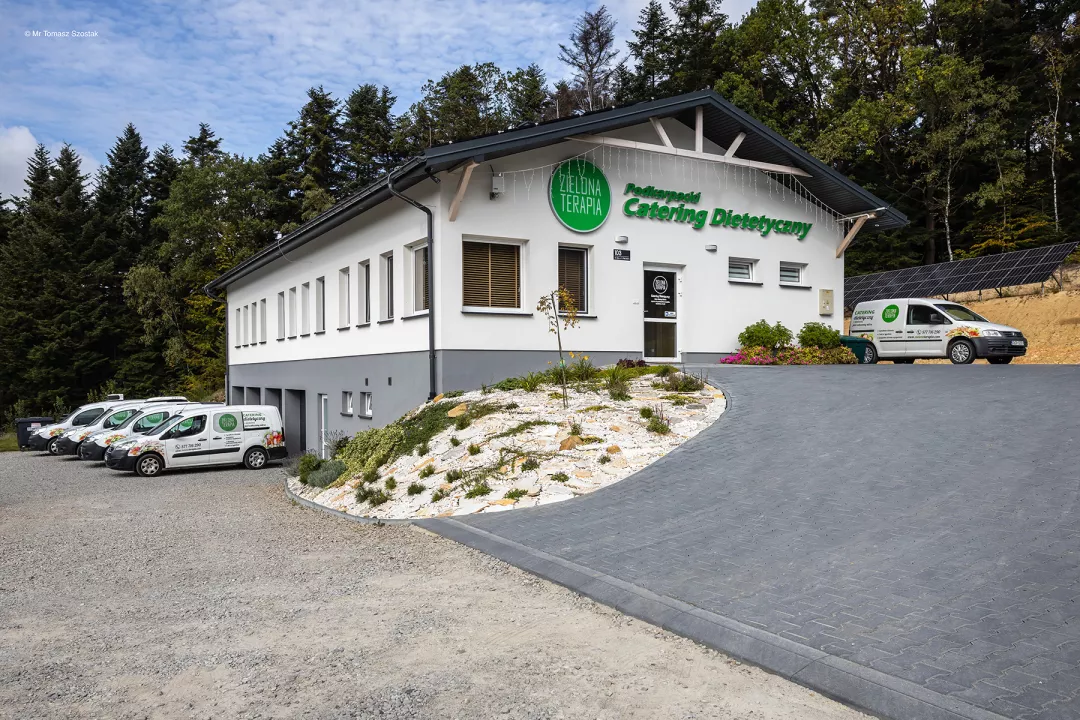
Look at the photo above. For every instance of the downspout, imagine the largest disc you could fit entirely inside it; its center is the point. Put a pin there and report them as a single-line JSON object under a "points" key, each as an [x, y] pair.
{"points": [[432, 390], [213, 296]]}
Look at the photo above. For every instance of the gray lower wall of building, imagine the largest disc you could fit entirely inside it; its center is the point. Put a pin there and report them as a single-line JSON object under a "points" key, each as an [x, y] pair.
{"points": [[398, 382], [703, 358]]}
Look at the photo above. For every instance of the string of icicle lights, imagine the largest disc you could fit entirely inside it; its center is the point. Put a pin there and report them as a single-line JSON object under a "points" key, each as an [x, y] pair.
{"points": [[638, 165]]}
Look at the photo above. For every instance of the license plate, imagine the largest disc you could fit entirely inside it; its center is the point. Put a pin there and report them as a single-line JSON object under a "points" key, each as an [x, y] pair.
{"points": [[1019, 343]]}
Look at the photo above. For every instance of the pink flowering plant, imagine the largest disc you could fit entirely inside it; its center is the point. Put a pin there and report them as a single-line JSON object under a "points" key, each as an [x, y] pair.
{"points": [[773, 347]]}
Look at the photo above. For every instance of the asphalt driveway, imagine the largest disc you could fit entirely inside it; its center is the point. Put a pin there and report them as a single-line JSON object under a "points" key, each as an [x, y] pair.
{"points": [[905, 537]]}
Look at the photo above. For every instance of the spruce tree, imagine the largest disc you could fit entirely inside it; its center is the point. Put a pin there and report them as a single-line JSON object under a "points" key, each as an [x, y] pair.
{"points": [[692, 57], [204, 148], [367, 129], [651, 51], [527, 95], [314, 143]]}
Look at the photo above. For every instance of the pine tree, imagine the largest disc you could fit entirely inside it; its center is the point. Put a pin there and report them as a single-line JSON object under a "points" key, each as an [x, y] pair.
{"points": [[367, 129], [692, 55], [204, 148], [650, 48], [527, 95], [315, 145], [591, 54]]}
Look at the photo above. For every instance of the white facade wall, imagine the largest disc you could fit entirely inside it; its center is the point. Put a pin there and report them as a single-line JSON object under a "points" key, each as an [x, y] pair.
{"points": [[711, 310]]}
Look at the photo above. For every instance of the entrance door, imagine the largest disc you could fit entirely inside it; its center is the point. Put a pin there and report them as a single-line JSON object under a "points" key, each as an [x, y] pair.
{"points": [[324, 422], [661, 315]]}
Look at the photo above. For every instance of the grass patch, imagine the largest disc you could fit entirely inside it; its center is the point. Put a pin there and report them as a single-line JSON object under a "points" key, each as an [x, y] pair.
{"points": [[9, 442], [453, 394], [575, 428], [520, 428], [455, 475], [454, 441], [560, 477], [516, 494], [390, 483], [605, 459], [416, 489], [678, 400], [617, 381], [590, 440], [555, 395], [374, 497], [658, 425], [474, 449], [370, 476], [530, 464], [595, 408], [438, 495], [511, 406], [478, 490], [427, 471]]}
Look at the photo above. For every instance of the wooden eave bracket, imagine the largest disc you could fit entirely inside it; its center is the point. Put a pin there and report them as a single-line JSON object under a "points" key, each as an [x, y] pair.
{"points": [[850, 237], [462, 186]]}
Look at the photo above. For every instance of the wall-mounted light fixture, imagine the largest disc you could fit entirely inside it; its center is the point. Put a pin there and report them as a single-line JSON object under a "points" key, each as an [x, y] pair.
{"points": [[710, 248], [622, 239]]}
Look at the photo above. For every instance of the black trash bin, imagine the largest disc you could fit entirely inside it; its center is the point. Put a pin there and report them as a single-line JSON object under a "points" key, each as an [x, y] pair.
{"points": [[25, 426]]}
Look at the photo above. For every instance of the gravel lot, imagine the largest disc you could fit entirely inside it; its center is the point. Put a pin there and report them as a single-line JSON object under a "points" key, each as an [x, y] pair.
{"points": [[210, 595]]}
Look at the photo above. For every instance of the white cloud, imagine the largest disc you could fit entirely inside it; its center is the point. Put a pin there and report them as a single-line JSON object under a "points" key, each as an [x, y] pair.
{"points": [[16, 146]]}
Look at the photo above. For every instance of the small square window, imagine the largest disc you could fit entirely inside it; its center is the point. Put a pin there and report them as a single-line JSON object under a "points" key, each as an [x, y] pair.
{"points": [[740, 269], [791, 273], [346, 402], [365, 404]]}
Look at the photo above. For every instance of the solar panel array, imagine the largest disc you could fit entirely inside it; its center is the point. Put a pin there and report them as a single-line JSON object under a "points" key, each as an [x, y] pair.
{"points": [[982, 273]]}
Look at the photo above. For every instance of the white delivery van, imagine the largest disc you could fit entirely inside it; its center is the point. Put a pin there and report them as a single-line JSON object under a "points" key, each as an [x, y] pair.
{"points": [[908, 329], [69, 441], [45, 437], [143, 421], [204, 435]]}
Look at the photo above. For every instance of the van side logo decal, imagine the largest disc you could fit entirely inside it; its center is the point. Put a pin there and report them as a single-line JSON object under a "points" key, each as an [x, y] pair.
{"points": [[890, 313], [226, 422]]}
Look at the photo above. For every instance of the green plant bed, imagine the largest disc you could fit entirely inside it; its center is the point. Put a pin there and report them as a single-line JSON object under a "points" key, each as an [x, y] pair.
{"points": [[8, 442], [520, 428]]}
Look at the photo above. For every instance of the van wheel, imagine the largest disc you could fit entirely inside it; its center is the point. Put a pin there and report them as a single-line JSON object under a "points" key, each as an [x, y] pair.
{"points": [[150, 465], [999, 360], [869, 355], [255, 458], [51, 447], [962, 352]]}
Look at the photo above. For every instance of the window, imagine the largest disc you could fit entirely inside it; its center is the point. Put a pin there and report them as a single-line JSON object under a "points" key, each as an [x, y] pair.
{"points": [[149, 422], [924, 315], [420, 279], [386, 281], [363, 280], [116, 418], [344, 306], [247, 325], [87, 416], [365, 404], [320, 304], [346, 402], [239, 331], [491, 275], [740, 269], [254, 323], [305, 309], [791, 274], [573, 275], [292, 312], [262, 320], [281, 315], [189, 426]]}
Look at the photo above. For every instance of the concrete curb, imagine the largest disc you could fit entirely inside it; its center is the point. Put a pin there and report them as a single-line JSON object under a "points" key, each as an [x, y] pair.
{"points": [[843, 680], [343, 515]]}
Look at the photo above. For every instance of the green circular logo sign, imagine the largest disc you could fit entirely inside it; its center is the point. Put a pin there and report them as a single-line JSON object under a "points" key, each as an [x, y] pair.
{"points": [[579, 195], [890, 313], [227, 422]]}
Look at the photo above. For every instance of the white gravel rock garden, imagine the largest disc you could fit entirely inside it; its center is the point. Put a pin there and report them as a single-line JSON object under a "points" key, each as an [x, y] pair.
{"points": [[513, 445]]}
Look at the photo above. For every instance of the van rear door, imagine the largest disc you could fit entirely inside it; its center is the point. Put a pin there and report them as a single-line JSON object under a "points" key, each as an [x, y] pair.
{"points": [[889, 329]]}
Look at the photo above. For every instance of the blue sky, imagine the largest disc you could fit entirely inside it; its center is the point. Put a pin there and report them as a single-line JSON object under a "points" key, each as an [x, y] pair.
{"points": [[244, 65]]}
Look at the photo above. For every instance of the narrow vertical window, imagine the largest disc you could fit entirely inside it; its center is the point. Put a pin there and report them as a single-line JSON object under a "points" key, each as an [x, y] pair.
{"points": [[573, 276], [254, 323], [262, 320], [247, 325], [363, 293], [344, 305], [420, 279], [305, 309], [320, 304], [346, 402], [386, 291], [281, 315], [292, 312], [238, 332]]}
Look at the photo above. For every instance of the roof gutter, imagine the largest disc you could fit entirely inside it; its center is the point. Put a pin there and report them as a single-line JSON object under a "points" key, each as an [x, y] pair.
{"points": [[432, 382]]}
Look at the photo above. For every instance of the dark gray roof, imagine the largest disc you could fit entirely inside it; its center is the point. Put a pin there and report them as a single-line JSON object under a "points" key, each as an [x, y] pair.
{"points": [[722, 122]]}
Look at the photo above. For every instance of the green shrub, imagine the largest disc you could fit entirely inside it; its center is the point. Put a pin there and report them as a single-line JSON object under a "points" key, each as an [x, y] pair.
{"points": [[581, 370], [663, 371], [658, 425], [560, 477], [508, 384], [309, 463], [416, 489], [453, 394], [462, 422], [437, 495], [327, 472], [646, 412], [363, 492], [479, 489], [454, 441], [530, 464], [370, 476], [618, 383], [762, 334], [424, 449], [516, 494], [454, 475], [390, 483], [819, 335], [378, 497], [575, 428], [474, 449], [428, 471], [605, 459], [840, 356], [532, 381], [682, 382]]}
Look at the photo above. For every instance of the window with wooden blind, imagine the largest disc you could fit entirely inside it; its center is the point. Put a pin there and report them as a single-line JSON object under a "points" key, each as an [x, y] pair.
{"points": [[420, 279], [490, 275], [573, 275]]}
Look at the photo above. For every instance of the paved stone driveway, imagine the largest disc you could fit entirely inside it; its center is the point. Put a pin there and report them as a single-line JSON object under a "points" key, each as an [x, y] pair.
{"points": [[919, 520]]}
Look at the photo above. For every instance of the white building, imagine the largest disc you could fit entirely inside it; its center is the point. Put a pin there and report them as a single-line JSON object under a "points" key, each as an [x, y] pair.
{"points": [[674, 223]]}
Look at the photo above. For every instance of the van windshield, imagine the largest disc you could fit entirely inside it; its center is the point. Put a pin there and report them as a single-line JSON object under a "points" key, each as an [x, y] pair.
{"points": [[959, 312]]}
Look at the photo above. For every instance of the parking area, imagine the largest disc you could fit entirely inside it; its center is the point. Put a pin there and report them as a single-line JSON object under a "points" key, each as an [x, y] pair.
{"points": [[918, 521], [207, 594]]}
